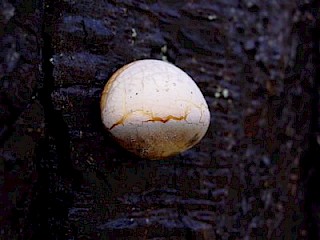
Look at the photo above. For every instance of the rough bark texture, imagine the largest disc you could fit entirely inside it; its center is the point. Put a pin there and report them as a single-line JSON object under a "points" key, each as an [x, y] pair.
{"points": [[65, 178], [22, 123]]}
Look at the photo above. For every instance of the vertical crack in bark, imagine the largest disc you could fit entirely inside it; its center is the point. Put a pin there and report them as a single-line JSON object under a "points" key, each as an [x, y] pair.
{"points": [[309, 164], [52, 198], [315, 127], [57, 128]]}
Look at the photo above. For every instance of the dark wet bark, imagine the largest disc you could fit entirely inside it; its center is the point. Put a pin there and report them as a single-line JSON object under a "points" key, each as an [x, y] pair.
{"points": [[22, 123], [254, 175]]}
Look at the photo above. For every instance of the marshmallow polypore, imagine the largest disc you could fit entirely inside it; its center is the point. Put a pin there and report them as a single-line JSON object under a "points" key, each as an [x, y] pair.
{"points": [[154, 109]]}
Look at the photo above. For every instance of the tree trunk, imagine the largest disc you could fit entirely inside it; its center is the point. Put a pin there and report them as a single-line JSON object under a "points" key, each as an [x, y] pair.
{"points": [[252, 176]]}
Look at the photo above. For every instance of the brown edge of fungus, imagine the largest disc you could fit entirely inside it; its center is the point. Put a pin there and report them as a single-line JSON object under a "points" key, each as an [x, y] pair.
{"points": [[166, 119], [153, 119]]}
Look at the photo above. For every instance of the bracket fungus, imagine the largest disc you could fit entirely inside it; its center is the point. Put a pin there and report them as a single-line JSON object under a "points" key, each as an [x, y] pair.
{"points": [[154, 109]]}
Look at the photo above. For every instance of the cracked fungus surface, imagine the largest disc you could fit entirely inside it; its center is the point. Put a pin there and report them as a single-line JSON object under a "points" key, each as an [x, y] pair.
{"points": [[154, 109]]}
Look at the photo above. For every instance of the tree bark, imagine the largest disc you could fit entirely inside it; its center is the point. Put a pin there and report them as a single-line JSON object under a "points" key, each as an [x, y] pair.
{"points": [[251, 177]]}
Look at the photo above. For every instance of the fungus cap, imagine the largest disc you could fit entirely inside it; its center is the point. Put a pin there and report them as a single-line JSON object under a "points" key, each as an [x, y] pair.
{"points": [[154, 109]]}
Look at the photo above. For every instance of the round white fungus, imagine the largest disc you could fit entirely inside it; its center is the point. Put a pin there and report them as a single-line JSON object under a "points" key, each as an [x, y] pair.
{"points": [[154, 109]]}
